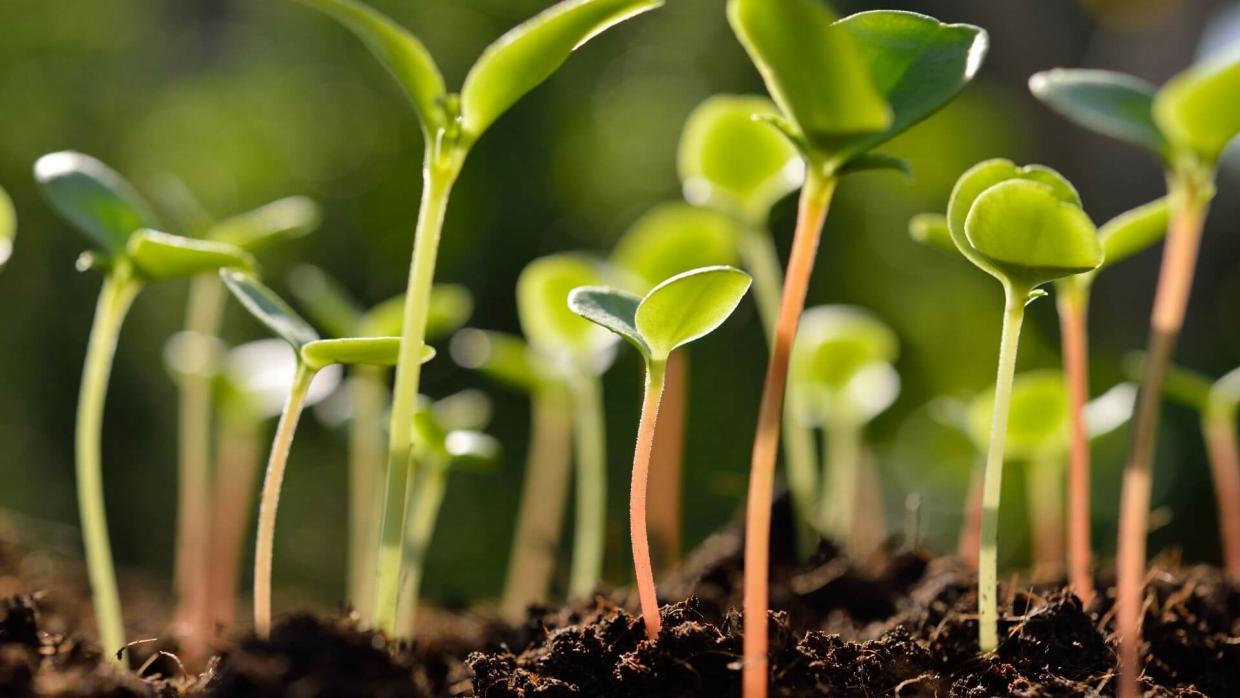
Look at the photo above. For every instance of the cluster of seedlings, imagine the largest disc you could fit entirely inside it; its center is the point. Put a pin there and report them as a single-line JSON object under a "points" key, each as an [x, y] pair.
{"points": [[839, 89]]}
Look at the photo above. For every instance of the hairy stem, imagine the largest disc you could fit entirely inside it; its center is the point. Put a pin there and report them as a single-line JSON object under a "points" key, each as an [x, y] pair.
{"points": [[368, 390], [667, 465], [1044, 492], [655, 370], [1219, 428], [269, 500], [815, 199], [1073, 306], [992, 475], [237, 458], [115, 297], [590, 534], [425, 498]]}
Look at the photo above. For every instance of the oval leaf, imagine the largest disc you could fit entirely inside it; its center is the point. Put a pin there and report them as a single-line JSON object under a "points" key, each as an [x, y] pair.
{"points": [[93, 197], [730, 160], [1117, 105], [284, 219], [931, 229], [269, 309], [351, 351], [1133, 231], [529, 53], [1198, 110], [551, 328], [688, 306], [8, 227], [159, 255], [1037, 416], [400, 51], [610, 308], [673, 238], [500, 356], [812, 69], [834, 343]]}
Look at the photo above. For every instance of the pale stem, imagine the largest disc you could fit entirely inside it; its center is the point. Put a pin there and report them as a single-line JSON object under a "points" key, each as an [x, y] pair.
{"points": [[269, 500], [236, 465], [667, 465], [367, 390], [992, 475], [1189, 205], [815, 198], [425, 499], [590, 532], [644, 574], [437, 181], [1044, 494], [115, 297], [1073, 307], [841, 476], [544, 495], [1219, 427]]}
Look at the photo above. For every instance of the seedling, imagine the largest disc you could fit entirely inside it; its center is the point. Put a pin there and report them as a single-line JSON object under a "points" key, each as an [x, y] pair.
{"points": [[8, 227], [312, 354], [451, 123], [843, 88], [449, 438], [100, 203], [1187, 123], [1122, 237], [842, 363], [680, 310], [1025, 227], [330, 305], [669, 239]]}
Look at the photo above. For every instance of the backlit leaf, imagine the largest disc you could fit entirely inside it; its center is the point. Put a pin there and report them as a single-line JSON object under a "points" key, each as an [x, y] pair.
{"points": [[93, 197], [1114, 104], [1198, 109], [159, 255], [286, 218], [269, 309], [688, 306], [351, 351]]}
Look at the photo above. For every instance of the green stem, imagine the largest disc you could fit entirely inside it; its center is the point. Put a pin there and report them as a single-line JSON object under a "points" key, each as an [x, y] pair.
{"points": [[590, 534], [841, 473], [438, 175], [425, 498], [643, 572], [992, 476], [269, 500], [115, 297], [367, 390]]}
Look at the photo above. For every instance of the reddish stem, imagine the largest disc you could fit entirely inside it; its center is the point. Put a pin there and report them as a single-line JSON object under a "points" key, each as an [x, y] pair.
{"points": [[815, 199], [666, 469], [235, 481], [1220, 435], [637, 498], [971, 532], [1073, 310]]}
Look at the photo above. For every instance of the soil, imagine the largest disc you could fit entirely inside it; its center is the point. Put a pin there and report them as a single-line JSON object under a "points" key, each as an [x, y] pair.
{"points": [[902, 625]]}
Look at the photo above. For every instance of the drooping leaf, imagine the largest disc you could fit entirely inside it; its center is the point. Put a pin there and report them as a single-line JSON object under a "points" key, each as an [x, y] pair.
{"points": [[812, 68], [1133, 231], [529, 53], [542, 306], [676, 237], [500, 356], [286, 218], [729, 160], [269, 309], [835, 343], [611, 308], [159, 255], [400, 51], [327, 302], [1198, 110], [351, 351], [688, 306], [93, 197], [8, 227], [931, 229], [1114, 104]]}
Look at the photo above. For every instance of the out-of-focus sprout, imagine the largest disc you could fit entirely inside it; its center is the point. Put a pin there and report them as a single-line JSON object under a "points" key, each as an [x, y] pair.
{"points": [[99, 202], [679, 310], [8, 227], [311, 354]]}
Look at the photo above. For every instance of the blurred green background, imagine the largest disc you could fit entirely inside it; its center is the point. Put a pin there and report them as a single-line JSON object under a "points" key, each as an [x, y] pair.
{"points": [[248, 101]]}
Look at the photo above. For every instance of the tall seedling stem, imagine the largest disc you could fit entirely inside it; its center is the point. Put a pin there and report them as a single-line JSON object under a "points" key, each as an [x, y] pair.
{"points": [[1073, 307]]}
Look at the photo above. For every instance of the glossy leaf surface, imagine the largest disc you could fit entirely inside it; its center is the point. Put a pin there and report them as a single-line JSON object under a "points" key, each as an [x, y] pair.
{"points": [[1198, 109], [688, 306], [93, 197], [269, 309], [1113, 104]]}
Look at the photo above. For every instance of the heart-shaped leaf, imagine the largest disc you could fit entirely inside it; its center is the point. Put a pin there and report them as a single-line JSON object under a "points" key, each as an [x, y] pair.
{"points": [[529, 53], [400, 51], [1197, 109], [1037, 417], [688, 306], [931, 229], [730, 160], [1134, 230], [160, 256], [549, 326], [352, 351], [916, 63], [835, 343], [327, 302], [284, 219], [93, 197], [269, 309], [812, 68], [611, 308], [8, 227], [500, 356], [676, 237], [1114, 104]]}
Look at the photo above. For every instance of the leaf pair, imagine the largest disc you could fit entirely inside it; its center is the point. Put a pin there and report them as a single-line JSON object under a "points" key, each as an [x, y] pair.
{"points": [[516, 63], [847, 86]]}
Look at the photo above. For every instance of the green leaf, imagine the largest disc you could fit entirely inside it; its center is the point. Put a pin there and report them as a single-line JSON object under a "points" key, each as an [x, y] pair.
{"points": [[327, 302], [812, 68], [866, 162], [8, 227], [834, 343], [1198, 110], [529, 53], [284, 219], [1133, 231], [93, 197], [549, 326], [400, 51], [611, 308], [931, 229], [450, 307], [502, 357], [1037, 417], [269, 309], [916, 62], [351, 351], [688, 306], [159, 255], [988, 173], [730, 160], [1225, 394], [676, 237], [1114, 104]]}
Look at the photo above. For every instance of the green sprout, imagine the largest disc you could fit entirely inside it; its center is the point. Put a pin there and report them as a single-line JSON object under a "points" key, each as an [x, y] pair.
{"points": [[682, 309], [1025, 227], [1122, 237], [100, 203], [8, 227], [669, 239], [312, 354], [331, 306], [843, 88], [451, 123], [1187, 123], [842, 367]]}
